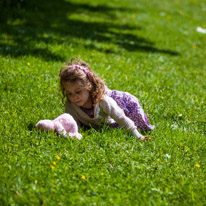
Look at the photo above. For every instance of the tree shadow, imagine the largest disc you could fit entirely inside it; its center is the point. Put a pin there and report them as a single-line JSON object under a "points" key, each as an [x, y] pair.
{"points": [[34, 25]]}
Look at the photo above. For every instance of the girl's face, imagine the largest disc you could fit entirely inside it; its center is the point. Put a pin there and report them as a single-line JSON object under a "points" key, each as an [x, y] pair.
{"points": [[78, 95]]}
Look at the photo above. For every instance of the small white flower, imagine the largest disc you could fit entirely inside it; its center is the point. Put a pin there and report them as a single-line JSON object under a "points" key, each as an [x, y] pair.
{"points": [[167, 156], [201, 30]]}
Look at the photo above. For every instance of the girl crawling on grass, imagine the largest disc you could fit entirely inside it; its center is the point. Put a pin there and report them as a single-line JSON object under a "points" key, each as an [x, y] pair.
{"points": [[91, 103]]}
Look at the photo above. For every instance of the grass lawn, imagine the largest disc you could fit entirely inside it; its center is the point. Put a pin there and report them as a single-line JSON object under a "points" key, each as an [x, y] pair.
{"points": [[148, 48]]}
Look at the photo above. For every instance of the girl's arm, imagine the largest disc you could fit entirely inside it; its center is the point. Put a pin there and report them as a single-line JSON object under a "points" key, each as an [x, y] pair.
{"points": [[136, 133], [110, 107]]}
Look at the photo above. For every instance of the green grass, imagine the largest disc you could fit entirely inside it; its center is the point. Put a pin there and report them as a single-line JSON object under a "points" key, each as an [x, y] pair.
{"points": [[148, 48]]}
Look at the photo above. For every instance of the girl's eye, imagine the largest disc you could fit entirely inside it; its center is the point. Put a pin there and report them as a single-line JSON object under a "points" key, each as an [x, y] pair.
{"points": [[78, 92], [69, 94]]}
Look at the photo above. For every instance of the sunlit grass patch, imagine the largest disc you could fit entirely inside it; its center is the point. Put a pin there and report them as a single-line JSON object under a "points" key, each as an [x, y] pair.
{"points": [[151, 49]]}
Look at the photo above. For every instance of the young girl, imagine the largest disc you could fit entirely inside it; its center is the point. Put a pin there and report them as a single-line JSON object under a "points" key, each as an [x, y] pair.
{"points": [[90, 102]]}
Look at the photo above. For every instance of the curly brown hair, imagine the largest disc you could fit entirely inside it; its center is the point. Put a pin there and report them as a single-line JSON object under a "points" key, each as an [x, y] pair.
{"points": [[89, 80]]}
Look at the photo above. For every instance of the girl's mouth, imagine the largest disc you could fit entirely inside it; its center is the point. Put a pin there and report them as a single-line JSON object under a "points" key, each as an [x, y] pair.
{"points": [[77, 102]]}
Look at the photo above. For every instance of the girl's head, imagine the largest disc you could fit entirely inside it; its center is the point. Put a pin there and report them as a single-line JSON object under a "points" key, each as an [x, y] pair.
{"points": [[78, 82]]}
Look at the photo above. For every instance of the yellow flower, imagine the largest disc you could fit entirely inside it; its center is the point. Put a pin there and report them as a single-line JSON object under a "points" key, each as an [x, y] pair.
{"points": [[197, 165], [58, 157], [133, 16], [193, 46], [54, 163], [102, 173], [28, 64], [52, 166], [83, 177]]}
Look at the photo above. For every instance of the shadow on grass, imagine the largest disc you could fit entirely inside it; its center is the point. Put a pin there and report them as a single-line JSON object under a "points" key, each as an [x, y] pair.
{"points": [[31, 126], [30, 27]]}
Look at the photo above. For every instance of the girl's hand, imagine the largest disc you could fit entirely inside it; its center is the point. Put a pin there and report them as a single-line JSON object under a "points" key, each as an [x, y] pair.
{"points": [[146, 138]]}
